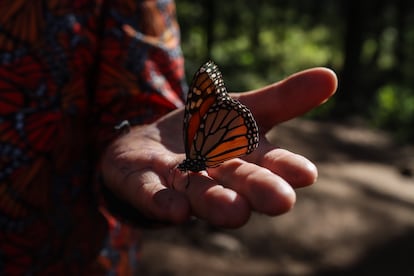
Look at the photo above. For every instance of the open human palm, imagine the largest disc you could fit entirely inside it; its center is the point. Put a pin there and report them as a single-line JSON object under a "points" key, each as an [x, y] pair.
{"points": [[140, 166]]}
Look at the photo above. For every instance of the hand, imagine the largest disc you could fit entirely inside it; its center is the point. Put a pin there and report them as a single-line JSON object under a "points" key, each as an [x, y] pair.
{"points": [[140, 167]]}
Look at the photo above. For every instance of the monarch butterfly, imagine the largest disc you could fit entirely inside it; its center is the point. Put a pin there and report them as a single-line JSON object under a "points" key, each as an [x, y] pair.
{"points": [[216, 127]]}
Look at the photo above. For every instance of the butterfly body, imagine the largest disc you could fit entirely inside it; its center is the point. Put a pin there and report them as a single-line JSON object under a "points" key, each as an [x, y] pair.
{"points": [[216, 127]]}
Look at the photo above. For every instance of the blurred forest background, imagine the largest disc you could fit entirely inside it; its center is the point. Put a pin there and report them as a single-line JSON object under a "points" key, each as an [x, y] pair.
{"points": [[358, 218], [367, 43]]}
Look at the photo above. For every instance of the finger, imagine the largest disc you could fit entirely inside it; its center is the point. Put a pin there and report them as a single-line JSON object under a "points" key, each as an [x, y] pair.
{"points": [[293, 168], [291, 97], [214, 203], [266, 192]]}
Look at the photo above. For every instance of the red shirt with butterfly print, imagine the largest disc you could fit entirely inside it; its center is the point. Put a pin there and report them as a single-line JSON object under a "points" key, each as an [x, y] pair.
{"points": [[69, 72]]}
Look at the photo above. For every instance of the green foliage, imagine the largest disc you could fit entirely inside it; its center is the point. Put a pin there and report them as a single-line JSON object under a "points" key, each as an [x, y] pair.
{"points": [[394, 109], [251, 47], [255, 43], [387, 41]]}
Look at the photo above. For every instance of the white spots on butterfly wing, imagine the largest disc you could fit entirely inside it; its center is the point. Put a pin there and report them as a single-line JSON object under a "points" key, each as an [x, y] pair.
{"points": [[208, 80]]}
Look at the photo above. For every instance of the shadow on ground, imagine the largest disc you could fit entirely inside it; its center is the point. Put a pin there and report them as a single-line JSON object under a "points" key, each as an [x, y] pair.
{"points": [[357, 219]]}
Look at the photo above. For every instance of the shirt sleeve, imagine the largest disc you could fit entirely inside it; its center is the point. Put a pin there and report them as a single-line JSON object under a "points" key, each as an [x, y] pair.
{"points": [[140, 74], [69, 72]]}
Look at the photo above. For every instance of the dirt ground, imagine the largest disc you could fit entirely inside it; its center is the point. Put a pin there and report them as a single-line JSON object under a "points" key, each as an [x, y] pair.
{"points": [[358, 219]]}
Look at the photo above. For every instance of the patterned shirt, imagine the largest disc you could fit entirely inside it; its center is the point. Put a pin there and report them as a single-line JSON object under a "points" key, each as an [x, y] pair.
{"points": [[69, 72]]}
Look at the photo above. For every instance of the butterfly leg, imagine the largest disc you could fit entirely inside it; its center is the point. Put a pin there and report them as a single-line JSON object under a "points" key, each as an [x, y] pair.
{"points": [[188, 181]]}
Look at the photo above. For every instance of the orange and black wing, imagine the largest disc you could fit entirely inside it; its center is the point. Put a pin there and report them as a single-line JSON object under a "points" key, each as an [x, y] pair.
{"points": [[216, 127]]}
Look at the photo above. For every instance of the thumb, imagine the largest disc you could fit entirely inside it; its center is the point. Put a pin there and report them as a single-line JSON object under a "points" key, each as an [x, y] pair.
{"points": [[291, 97]]}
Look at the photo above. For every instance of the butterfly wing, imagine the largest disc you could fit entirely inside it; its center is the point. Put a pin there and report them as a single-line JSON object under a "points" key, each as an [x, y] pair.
{"points": [[216, 127], [200, 98], [228, 131]]}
